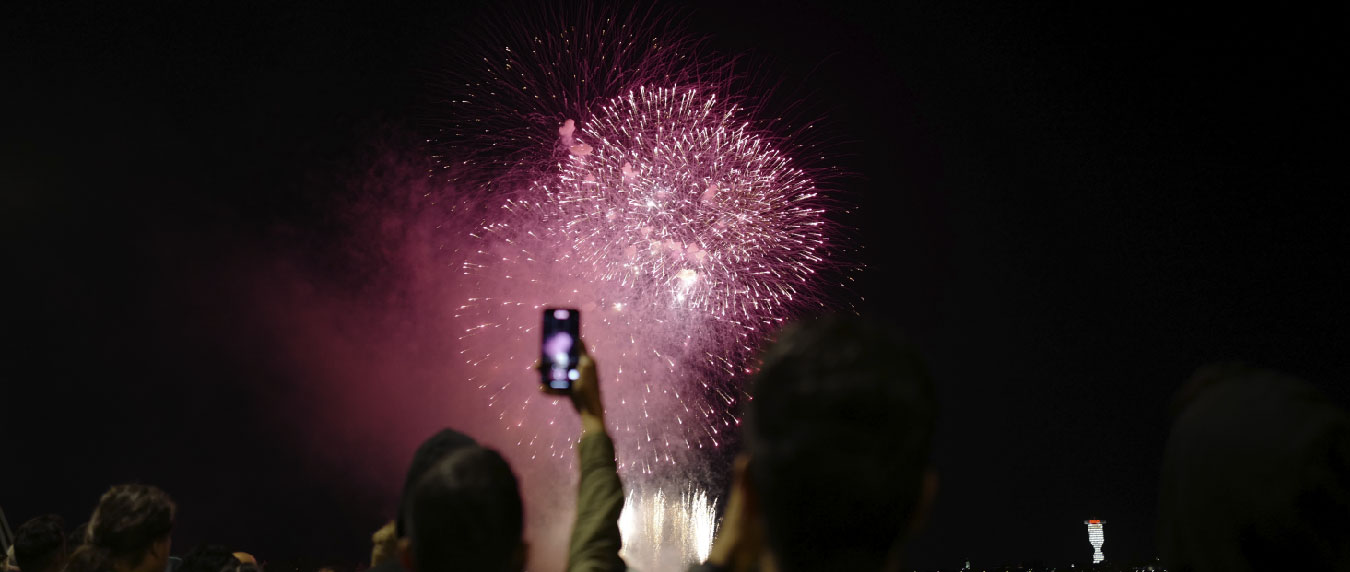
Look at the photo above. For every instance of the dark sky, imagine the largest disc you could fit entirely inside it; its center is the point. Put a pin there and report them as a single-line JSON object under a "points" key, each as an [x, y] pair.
{"points": [[1068, 207]]}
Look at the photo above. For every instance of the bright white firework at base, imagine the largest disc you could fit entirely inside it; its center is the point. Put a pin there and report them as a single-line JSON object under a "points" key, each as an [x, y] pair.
{"points": [[663, 532]]}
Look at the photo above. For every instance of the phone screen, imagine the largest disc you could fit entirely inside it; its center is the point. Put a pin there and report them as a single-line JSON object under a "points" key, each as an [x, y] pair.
{"points": [[561, 347]]}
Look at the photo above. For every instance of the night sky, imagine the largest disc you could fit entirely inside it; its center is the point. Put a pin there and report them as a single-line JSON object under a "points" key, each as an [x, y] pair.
{"points": [[1069, 208]]}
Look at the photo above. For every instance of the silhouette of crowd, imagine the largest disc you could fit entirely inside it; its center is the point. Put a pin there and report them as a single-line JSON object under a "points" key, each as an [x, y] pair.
{"points": [[835, 474]]}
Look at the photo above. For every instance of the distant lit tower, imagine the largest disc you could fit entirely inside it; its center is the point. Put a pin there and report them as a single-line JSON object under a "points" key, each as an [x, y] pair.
{"points": [[1096, 538]]}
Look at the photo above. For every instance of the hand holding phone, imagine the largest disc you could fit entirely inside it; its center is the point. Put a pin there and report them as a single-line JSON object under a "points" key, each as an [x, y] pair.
{"points": [[566, 368]]}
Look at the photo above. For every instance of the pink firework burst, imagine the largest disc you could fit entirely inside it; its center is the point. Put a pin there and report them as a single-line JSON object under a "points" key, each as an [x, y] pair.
{"points": [[669, 198], [684, 233], [650, 199]]}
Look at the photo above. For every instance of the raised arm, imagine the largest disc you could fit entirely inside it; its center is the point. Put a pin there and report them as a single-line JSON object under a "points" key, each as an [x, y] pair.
{"points": [[595, 539]]}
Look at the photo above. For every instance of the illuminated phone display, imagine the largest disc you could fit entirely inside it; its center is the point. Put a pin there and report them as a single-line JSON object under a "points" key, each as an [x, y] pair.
{"points": [[561, 347]]}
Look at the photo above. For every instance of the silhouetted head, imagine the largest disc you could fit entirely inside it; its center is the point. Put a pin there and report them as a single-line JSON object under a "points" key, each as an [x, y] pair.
{"points": [[1256, 476], [40, 544], [466, 514], [838, 434], [430, 452], [128, 532]]}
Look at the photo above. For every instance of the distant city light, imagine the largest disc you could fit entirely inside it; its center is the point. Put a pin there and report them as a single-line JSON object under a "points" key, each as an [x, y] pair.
{"points": [[1096, 538]]}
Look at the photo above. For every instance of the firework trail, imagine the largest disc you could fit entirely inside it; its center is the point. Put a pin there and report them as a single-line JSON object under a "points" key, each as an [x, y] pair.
{"points": [[605, 166]]}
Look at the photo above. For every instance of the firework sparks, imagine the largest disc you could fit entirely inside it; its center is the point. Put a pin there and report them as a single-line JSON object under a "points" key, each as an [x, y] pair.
{"points": [[664, 532], [532, 70], [616, 173], [681, 204], [686, 233]]}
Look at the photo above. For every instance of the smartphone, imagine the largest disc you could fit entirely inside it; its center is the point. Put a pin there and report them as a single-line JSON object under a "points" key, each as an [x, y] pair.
{"points": [[561, 348]]}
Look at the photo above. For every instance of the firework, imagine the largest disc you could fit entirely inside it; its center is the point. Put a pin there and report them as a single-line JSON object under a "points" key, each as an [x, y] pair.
{"points": [[667, 532], [684, 232], [613, 172], [667, 195]]}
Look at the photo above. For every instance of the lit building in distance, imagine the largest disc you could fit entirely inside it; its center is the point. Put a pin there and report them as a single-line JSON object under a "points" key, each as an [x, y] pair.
{"points": [[1096, 538]]}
